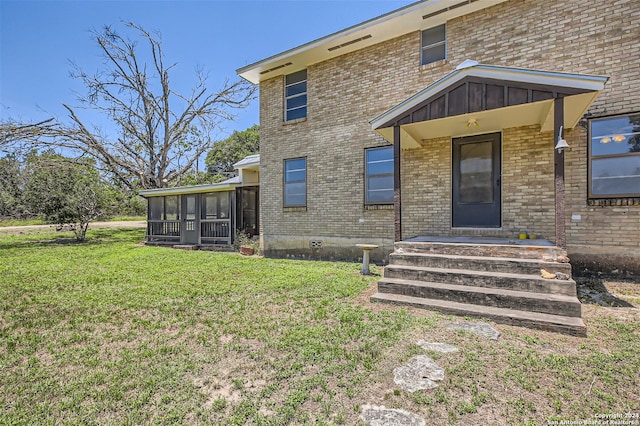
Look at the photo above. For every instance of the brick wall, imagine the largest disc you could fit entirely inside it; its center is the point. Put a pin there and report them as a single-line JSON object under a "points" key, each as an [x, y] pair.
{"points": [[597, 37]]}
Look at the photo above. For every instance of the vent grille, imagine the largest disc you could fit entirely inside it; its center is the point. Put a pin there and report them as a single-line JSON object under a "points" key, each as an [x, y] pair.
{"points": [[276, 68], [315, 244], [446, 9], [348, 43]]}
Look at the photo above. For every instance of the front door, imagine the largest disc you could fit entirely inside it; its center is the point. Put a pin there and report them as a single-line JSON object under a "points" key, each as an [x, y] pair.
{"points": [[476, 192], [190, 221]]}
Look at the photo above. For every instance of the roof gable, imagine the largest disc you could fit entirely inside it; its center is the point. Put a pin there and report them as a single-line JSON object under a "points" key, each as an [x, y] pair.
{"points": [[488, 98], [474, 87]]}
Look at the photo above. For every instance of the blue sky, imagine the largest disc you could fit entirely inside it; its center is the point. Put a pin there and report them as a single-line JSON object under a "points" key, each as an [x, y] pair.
{"points": [[38, 39]]}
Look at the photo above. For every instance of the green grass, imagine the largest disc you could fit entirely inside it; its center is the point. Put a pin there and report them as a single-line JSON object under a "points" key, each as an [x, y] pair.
{"points": [[40, 221], [114, 332]]}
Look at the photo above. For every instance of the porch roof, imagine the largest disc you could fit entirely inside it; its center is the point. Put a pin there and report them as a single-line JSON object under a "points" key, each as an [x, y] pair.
{"points": [[477, 98], [250, 162], [192, 189]]}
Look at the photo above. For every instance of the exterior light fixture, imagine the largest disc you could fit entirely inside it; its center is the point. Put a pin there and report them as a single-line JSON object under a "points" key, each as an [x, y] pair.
{"points": [[562, 144], [472, 122], [605, 139], [618, 138]]}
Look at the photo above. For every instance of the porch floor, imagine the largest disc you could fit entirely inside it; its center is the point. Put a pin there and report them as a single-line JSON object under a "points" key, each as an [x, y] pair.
{"points": [[465, 239]]}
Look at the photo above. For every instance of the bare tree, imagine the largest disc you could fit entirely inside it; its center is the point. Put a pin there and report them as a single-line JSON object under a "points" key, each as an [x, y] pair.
{"points": [[13, 133], [161, 133]]}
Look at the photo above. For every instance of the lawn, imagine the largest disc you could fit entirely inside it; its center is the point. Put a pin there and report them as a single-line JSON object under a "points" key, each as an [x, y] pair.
{"points": [[114, 332]]}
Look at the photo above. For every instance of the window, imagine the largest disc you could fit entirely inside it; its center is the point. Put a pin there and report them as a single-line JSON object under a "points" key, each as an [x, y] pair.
{"points": [[172, 207], [614, 156], [434, 44], [295, 182], [295, 96], [156, 208], [379, 175], [164, 208], [216, 205]]}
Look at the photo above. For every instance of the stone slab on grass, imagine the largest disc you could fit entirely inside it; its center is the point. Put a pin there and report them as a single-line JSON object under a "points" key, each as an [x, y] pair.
{"points": [[373, 415], [481, 329], [420, 372]]}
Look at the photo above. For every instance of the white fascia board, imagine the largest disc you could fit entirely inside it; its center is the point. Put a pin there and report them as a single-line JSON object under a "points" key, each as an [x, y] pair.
{"points": [[386, 27], [522, 75], [546, 78], [181, 190]]}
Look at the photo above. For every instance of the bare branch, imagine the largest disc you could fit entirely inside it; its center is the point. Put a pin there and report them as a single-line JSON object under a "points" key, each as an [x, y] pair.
{"points": [[160, 133]]}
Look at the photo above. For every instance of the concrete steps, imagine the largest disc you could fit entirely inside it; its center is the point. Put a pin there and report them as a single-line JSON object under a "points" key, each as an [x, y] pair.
{"points": [[573, 326], [555, 304], [479, 263], [499, 281], [505, 280]]}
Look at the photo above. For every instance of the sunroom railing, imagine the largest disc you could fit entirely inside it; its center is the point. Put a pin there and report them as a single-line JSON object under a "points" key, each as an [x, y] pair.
{"points": [[163, 230], [215, 231]]}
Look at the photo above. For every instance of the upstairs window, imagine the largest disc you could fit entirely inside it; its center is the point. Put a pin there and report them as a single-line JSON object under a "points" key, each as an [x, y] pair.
{"points": [[295, 182], [379, 175], [434, 44], [614, 156], [295, 96]]}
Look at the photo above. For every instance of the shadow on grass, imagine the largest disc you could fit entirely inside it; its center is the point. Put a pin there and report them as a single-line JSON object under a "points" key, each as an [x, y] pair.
{"points": [[93, 237], [594, 292]]}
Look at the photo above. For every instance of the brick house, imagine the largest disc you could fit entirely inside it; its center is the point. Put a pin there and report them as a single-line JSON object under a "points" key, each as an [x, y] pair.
{"points": [[318, 102], [439, 122]]}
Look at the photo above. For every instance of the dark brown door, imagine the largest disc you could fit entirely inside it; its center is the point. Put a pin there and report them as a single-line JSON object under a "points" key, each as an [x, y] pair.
{"points": [[476, 181]]}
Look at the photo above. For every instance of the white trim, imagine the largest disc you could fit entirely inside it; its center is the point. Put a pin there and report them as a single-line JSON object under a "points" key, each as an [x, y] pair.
{"points": [[183, 190]]}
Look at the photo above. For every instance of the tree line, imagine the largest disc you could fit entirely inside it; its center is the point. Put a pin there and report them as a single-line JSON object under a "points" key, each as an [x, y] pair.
{"points": [[68, 190], [160, 136]]}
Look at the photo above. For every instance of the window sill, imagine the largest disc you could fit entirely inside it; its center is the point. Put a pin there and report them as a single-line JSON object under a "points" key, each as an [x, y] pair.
{"points": [[622, 201], [378, 206], [294, 209], [432, 65], [296, 121]]}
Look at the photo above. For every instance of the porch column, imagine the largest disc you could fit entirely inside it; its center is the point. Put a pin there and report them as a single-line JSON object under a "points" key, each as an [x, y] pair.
{"points": [[558, 120], [397, 198]]}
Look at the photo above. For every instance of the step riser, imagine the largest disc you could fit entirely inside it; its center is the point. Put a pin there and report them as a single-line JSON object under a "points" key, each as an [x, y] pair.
{"points": [[490, 250], [554, 327], [533, 284], [485, 264], [554, 307]]}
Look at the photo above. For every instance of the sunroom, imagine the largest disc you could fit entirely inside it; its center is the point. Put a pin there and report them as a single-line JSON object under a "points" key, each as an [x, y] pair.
{"points": [[206, 215]]}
